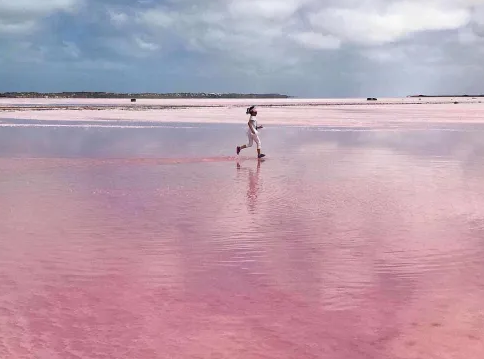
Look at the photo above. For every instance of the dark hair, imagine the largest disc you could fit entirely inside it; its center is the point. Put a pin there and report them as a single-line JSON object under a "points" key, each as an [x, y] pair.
{"points": [[249, 110]]}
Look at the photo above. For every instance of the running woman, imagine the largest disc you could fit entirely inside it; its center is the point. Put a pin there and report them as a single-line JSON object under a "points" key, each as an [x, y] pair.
{"points": [[252, 133]]}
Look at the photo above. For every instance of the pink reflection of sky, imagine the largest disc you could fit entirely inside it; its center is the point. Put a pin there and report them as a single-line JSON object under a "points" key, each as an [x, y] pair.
{"points": [[366, 252]]}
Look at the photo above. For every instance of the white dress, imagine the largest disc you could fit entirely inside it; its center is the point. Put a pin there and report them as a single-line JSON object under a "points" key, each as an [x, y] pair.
{"points": [[253, 136]]}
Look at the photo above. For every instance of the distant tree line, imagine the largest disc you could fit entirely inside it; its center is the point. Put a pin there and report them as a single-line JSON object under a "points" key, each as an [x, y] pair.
{"points": [[87, 94]]}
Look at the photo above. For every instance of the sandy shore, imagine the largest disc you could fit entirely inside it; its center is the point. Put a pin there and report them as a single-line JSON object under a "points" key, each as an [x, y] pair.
{"points": [[385, 113]]}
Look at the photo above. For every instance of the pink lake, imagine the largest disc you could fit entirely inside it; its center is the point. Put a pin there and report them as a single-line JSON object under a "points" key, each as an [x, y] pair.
{"points": [[149, 239]]}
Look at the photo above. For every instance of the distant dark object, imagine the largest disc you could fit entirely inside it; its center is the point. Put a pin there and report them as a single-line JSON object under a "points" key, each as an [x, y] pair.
{"points": [[455, 103], [133, 100], [371, 99]]}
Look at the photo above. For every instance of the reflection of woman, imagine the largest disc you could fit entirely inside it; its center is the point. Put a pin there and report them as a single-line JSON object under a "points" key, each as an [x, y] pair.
{"points": [[252, 133], [253, 190]]}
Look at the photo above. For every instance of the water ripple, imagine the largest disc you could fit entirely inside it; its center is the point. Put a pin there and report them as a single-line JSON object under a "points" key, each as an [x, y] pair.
{"points": [[339, 245]]}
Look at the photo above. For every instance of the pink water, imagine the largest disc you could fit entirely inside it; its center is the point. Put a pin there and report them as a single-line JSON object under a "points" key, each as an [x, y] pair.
{"points": [[155, 242]]}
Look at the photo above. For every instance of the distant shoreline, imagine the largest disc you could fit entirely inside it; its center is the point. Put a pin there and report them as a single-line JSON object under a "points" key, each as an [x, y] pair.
{"points": [[114, 95], [175, 95], [440, 96]]}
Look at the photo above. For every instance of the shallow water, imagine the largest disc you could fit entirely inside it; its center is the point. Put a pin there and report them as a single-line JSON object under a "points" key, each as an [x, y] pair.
{"points": [[157, 242]]}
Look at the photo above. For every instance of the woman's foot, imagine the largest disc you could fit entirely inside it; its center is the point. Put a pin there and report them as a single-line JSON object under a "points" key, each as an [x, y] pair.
{"points": [[261, 155]]}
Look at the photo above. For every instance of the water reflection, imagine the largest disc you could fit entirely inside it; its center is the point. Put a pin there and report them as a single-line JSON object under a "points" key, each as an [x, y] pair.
{"points": [[254, 184], [191, 140], [339, 244]]}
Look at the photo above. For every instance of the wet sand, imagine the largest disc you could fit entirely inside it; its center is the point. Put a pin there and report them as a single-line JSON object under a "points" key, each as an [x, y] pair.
{"points": [[384, 113], [150, 239]]}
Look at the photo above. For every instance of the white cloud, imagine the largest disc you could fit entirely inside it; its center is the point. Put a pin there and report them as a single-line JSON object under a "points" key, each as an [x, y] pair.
{"points": [[28, 7], [231, 32], [157, 18], [23, 16], [385, 55], [129, 46], [17, 27], [117, 18], [478, 20], [389, 23], [408, 54], [467, 36], [315, 25], [313, 40], [269, 9], [269, 36], [146, 45]]}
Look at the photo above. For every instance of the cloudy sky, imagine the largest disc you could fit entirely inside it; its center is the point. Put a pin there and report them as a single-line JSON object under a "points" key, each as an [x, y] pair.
{"points": [[306, 48]]}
